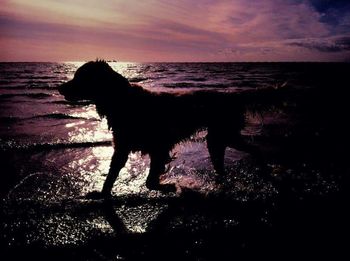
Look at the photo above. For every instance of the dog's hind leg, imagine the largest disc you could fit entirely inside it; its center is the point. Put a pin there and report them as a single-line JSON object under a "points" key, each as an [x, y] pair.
{"points": [[119, 158], [158, 162], [216, 149], [237, 142]]}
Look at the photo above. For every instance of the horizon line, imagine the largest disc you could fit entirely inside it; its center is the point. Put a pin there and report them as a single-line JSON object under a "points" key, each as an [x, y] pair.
{"points": [[116, 61]]}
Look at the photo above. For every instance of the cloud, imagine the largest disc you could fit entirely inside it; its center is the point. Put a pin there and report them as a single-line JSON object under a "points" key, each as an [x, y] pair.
{"points": [[266, 20], [328, 45], [184, 30]]}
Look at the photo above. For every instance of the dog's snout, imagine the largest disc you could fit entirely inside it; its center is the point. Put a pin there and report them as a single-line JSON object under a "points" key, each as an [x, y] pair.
{"points": [[65, 89], [70, 91], [61, 88]]}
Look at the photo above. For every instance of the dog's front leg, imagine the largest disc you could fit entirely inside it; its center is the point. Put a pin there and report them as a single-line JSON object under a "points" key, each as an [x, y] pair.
{"points": [[119, 158], [158, 162], [216, 148]]}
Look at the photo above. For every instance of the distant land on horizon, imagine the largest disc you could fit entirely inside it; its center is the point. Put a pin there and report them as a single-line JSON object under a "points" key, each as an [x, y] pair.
{"points": [[150, 62]]}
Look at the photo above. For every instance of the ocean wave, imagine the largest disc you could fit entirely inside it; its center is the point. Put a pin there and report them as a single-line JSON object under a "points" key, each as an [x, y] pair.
{"points": [[159, 70], [29, 95], [12, 86], [217, 85], [196, 79], [2, 81], [44, 77], [72, 103], [138, 79], [54, 116], [61, 116], [179, 85], [47, 87], [9, 119], [26, 87], [13, 145], [198, 85]]}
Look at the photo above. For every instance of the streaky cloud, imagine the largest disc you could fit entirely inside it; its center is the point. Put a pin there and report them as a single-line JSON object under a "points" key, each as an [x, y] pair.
{"points": [[185, 30], [328, 45]]}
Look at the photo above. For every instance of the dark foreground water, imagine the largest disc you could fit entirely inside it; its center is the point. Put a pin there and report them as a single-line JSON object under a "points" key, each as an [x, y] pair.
{"points": [[53, 152]]}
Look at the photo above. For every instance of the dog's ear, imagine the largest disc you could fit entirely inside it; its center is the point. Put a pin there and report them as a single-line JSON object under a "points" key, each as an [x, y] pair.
{"points": [[98, 70], [99, 80]]}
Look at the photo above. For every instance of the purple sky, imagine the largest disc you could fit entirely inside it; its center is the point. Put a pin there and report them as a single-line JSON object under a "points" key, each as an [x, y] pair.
{"points": [[168, 30]]}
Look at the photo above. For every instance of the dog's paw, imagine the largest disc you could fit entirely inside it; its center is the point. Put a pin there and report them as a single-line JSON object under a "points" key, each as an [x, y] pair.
{"points": [[167, 188], [95, 195]]}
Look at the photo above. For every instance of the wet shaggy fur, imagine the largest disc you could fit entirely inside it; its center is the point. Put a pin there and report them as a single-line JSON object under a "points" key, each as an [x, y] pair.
{"points": [[154, 122]]}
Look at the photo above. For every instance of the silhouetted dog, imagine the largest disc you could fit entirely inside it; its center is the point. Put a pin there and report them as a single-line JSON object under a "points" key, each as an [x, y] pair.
{"points": [[154, 122]]}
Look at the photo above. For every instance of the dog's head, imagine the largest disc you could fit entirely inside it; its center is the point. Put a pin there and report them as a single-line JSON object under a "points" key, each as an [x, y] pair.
{"points": [[93, 81]]}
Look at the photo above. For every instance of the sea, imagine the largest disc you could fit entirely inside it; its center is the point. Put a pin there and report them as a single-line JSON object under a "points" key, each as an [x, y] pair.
{"points": [[53, 151]]}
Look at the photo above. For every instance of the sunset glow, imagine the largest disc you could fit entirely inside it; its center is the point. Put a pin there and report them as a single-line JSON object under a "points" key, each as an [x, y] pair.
{"points": [[164, 30]]}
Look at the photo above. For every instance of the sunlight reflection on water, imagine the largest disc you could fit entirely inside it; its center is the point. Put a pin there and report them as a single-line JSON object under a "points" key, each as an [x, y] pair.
{"points": [[81, 131], [87, 112], [94, 168], [128, 70]]}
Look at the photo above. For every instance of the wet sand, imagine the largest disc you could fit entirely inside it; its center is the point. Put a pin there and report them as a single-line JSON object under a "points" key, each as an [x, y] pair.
{"points": [[300, 212]]}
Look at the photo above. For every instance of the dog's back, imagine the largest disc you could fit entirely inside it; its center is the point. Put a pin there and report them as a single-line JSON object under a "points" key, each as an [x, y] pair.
{"points": [[150, 120]]}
